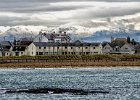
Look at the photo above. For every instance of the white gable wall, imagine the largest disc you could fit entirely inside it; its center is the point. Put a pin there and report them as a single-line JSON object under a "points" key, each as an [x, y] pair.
{"points": [[107, 49], [40, 38], [31, 50], [127, 48]]}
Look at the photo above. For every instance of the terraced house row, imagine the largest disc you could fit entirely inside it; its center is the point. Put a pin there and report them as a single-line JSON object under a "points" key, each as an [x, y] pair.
{"points": [[46, 44]]}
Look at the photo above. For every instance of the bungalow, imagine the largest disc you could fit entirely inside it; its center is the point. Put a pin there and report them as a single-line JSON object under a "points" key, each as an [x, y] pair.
{"points": [[128, 49], [111, 48], [5, 48]]}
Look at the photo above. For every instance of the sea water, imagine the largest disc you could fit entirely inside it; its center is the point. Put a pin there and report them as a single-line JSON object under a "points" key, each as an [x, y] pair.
{"points": [[122, 83]]}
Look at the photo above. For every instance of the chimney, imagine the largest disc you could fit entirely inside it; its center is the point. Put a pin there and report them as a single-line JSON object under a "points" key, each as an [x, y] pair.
{"points": [[112, 39]]}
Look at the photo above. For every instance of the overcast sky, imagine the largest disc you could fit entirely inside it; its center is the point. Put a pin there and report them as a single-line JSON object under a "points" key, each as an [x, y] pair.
{"points": [[59, 12]]}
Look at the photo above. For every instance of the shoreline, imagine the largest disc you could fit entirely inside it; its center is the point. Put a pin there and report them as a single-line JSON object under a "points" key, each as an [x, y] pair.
{"points": [[86, 64], [70, 61], [87, 67]]}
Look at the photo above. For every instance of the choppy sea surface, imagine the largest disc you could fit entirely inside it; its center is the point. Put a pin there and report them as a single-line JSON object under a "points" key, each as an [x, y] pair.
{"points": [[122, 83]]}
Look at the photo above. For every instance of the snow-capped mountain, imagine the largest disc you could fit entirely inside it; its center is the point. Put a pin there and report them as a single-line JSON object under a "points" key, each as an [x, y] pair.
{"points": [[103, 30], [105, 35], [90, 30], [10, 33]]}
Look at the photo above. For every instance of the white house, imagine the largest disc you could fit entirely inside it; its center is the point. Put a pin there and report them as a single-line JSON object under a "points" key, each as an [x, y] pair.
{"points": [[52, 37], [45, 48]]}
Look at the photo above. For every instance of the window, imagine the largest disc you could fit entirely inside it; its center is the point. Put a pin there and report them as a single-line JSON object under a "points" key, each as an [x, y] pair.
{"points": [[44, 47], [21, 52], [40, 53], [32, 53], [86, 47], [94, 47], [57, 47], [66, 47], [7, 53], [126, 48], [39, 47], [71, 47]]}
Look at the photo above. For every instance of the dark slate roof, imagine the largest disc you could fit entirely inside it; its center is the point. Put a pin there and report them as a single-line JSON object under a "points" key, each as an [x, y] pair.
{"points": [[43, 44], [5, 43], [118, 43], [22, 43], [105, 43], [26, 43], [4, 48], [114, 43], [19, 48]]}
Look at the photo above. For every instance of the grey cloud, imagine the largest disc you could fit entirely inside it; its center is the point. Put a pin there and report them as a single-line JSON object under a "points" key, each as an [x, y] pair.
{"points": [[15, 21], [106, 12], [6, 21], [46, 8], [82, 12], [48, 1]]}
